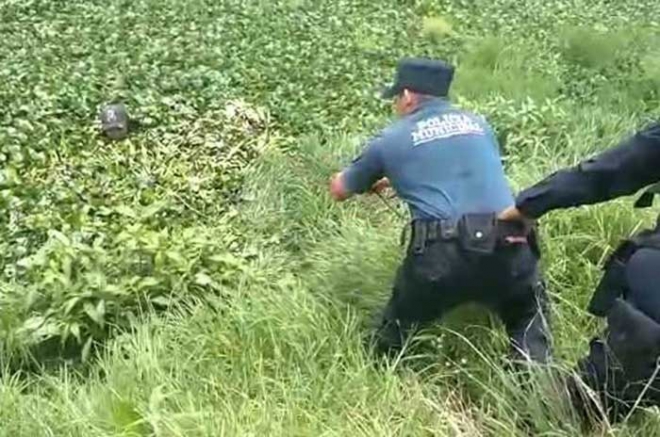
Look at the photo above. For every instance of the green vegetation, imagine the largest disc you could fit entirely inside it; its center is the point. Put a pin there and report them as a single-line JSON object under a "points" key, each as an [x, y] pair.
{"points": [[196, 279]]}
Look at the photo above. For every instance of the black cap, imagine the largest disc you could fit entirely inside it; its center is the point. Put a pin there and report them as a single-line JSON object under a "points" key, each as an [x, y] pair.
{"points": [[424, 76]]}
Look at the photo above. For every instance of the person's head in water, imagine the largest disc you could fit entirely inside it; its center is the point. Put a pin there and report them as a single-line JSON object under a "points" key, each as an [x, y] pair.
{"points": [[418, 80], [114, 121]]}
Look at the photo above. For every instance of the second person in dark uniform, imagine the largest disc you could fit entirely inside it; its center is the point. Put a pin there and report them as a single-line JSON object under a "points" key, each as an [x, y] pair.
{"points": [[623, 365]]}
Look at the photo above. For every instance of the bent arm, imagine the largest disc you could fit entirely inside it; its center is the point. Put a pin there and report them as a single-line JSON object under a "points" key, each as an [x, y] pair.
{"points": [[616, 172], [361, 175]]}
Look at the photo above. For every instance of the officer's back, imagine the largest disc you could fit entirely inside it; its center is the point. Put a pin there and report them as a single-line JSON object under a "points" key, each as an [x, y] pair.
{"points": [[445, 162], [441, 160]]}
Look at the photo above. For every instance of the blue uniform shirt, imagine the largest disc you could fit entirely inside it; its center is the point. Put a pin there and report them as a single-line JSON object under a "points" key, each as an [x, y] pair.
{"points": [[442, 161]]}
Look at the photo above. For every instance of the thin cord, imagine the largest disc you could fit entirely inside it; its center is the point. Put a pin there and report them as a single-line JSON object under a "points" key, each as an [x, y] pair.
{"points": [[389, 206]]}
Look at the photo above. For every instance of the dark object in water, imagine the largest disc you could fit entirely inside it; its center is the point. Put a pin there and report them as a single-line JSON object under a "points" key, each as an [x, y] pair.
{"points": [[115, 121]]}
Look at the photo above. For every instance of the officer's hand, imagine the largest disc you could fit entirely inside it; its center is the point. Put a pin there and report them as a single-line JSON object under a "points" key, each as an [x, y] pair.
{"points": [[380, 185], [337, 189], [512, 214]]}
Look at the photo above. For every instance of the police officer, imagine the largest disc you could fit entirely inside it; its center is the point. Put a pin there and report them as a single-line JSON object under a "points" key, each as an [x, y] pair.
{"points": [[444, 163], [625, 360]]}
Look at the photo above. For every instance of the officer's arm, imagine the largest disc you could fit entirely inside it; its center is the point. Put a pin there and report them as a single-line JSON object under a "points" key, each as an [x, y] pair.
{"points": [[619, 171], [362, 174]]}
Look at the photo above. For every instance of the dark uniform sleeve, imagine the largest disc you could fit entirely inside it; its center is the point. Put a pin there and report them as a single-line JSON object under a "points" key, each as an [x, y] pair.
{"points": [[367, 168], [619, 171]]}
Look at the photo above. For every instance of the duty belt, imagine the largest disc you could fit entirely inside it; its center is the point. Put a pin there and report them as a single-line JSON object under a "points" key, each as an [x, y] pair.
{"points": [[425, 231]]}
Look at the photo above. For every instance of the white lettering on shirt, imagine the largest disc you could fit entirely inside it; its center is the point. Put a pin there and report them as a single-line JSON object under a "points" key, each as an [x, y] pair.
{"points": [[445, 126]]}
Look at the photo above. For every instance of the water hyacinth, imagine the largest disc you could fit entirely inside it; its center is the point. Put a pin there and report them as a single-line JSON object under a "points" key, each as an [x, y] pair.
{"points": [[195, 278]]}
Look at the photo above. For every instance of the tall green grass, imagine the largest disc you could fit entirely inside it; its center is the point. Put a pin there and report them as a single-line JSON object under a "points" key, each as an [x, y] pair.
{"points": [[277, 287], [284, 353]]}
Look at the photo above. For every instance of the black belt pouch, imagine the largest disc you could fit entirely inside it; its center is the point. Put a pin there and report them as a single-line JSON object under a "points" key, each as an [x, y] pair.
{"points": [[478, 232]]}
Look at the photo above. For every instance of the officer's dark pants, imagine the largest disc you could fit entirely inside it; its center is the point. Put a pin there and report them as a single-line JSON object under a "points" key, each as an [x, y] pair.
{"points": [[620, 388], [643, 278], [446, 275]]}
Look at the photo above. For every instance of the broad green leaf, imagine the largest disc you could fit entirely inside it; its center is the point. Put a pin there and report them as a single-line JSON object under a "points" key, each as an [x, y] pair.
{"points": [[70, 304], [87, 349], [45, 331], [33, 323], [115, 290], [152, 209], [161, 300], [125, 210], [26, 262], [227, 259], [148, 282], [75, 330], [100, 309], [59, 236], [203, 279], [93, 313], [176, 257]]}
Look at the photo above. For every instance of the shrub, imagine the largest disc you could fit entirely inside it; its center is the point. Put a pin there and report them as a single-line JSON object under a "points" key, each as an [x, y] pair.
{"points": [[592, 49], [78, 289], [495, 66]]}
